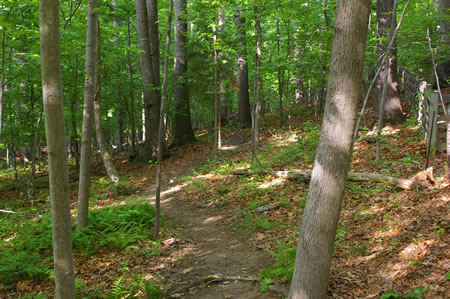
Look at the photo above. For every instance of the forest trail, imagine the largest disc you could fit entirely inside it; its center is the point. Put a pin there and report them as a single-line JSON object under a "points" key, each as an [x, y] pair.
{"points": [[205, 245]]}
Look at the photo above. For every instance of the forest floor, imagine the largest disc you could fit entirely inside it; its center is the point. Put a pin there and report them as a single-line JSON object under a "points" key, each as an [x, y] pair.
{"points": [[215, 241]]}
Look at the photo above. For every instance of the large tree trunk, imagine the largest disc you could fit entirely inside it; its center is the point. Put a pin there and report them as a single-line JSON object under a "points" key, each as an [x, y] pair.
{"points": [[151, 98], [183, 132], [393, 112], [245, 118], [88, 115], [326, 190], [57, 156]]}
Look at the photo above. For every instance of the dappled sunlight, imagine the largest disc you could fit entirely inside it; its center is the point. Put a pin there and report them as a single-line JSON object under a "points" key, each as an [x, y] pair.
{"points": [[274, 182]]}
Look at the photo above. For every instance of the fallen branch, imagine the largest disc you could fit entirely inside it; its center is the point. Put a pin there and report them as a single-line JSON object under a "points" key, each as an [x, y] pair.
{"points": [[8, 212], [423, 179]]}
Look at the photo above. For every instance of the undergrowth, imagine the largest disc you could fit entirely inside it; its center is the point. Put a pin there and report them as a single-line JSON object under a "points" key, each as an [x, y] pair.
{"points": [[25, 250]]}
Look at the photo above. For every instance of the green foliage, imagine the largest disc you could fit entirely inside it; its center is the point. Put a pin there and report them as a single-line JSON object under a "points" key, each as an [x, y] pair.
{"points": [[281, 270], [303, 150], [417, 293], [127, 289], [27, 242]]}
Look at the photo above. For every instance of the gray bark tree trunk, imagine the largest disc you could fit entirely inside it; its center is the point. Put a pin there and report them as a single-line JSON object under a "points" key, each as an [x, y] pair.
{"points": [[393, 111], [257, 97], [161, 133], [444, 61], [151, 102], [183, 132], [108, 162], [88, 115], [329, 175], [245, 118], [57, 156]]}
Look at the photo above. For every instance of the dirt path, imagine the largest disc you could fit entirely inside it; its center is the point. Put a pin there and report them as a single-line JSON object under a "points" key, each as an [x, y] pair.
{"points": [[205, 245]]}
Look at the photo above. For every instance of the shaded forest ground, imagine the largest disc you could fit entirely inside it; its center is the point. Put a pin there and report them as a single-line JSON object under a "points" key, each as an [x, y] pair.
{"points": [[387, 238]]}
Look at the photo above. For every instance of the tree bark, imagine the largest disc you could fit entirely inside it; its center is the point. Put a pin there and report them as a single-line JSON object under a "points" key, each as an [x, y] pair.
{"points": [[183, 132], [326, 190], [393, 112], [88, 115], [57, 156], [161, 133], [245, 118], [108, 161], [258, 79], [151, 102], [132, 112]]}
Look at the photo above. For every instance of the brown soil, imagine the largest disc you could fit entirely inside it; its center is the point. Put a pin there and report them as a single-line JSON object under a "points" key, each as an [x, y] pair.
{"points": [[206, 246]]}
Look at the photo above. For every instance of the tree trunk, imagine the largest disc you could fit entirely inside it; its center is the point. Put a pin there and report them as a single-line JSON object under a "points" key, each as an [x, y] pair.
{"points": [[225, 109], [57, 157], [258, 79], [119, 113], [444, 61], [245, 118], [326, 190], [217, 103], [151, 102], [132, 112], [183, 132], [279, 73], [111, 170], [73, 120], [161, 133], [88, 114], [393, 112]]}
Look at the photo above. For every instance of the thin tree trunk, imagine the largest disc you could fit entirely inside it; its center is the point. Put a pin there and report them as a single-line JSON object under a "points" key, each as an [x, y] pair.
{"points": [[217, 104], [73, 112], [57, 157], [245, 118], [108, 161], [88, 114], [183, 129], [162, 130], [119, 125], [132, 112], [280, 82], [326, 190], [224, 111], [257, 97]]}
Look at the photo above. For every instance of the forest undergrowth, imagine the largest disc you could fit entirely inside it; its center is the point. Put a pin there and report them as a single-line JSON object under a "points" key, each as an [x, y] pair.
{"points": [[390, 242]]}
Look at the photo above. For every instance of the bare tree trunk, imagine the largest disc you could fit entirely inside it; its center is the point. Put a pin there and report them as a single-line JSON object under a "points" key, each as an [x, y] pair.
{"points": [[119, 113], [161, 133], [242, 72], [73, 111], [132, 112], [111, 170], [183, 129], [392, 108], [57, 156], [326, 190], [257, 97], [88, 114], [280, 81], [217, 104], [151, 103]]}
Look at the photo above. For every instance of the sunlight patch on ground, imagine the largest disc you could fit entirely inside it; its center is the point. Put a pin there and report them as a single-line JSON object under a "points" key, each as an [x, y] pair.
{"points": [[228, 147], [416, 251], [388, 130], [274, 182], [212, 219]]}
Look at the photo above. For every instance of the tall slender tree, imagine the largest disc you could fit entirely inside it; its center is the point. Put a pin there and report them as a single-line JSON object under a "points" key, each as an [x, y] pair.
{"points": [[334, 152], [88, 114], [57, 156], [151, 102], [242, 72], [257, 89], [183, 132]]}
